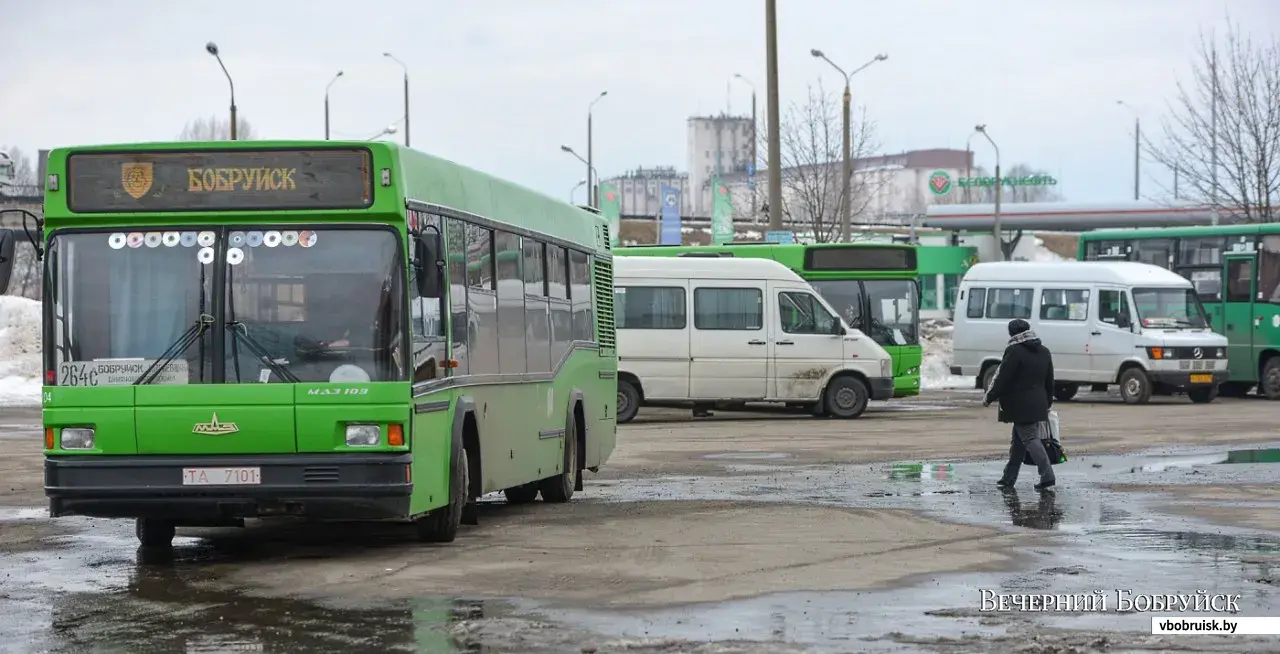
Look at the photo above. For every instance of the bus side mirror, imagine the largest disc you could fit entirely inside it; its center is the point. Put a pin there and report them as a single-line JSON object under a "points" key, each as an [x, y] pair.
{"points": [[428, 271], [8, 242]]}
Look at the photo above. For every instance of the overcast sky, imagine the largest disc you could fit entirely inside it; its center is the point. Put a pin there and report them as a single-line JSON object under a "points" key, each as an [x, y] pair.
{"points": [[500, 84]]}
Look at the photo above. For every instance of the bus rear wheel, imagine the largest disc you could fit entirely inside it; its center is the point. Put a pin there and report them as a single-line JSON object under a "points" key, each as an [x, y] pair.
{"points": [[522, 494], [559, 489], [154, 533], [1269, 382], [441, 525]]}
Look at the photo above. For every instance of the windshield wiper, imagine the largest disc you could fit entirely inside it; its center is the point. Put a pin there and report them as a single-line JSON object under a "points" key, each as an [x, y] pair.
{"points": [[176, 349], [240, 330]]}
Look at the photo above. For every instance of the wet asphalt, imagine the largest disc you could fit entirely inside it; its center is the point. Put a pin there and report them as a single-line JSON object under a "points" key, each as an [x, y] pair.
{"points": [[84, 587]]}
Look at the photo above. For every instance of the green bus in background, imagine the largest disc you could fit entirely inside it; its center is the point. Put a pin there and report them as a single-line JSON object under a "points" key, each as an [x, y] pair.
{"points": [[1236, 272], [875, 285], [337, 331]]}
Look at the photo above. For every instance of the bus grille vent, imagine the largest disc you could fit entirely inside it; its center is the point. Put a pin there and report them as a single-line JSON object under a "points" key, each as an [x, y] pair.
{"points": [[326, 475], [605, 334], [608, 242]]}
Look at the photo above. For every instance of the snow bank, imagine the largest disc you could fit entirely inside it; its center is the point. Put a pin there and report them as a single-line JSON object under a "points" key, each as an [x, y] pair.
{"points": [[935, 372], [19, 351]]}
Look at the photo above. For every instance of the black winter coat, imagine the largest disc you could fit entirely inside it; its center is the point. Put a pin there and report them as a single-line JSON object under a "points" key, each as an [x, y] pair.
{"points": [[1024, 385]]}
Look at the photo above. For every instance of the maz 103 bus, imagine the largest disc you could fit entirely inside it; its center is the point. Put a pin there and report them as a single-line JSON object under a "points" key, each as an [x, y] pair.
{"points": [[875, 285], [337, 331], [1236, 272]]}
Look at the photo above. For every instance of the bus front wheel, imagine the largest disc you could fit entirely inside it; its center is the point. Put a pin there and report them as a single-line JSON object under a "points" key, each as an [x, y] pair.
{"points": [[154, 533], [441, 525]]}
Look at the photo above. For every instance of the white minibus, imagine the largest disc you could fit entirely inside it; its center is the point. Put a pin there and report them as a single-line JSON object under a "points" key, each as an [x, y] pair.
{"points": [[703, 331], [1107, 323]]}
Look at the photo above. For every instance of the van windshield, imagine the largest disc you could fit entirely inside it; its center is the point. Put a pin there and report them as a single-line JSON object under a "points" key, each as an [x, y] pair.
{"points": [[1169, 308]]}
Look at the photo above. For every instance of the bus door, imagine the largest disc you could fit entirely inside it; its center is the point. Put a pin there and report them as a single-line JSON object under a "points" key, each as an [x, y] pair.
{"points": [[1240, 321]]}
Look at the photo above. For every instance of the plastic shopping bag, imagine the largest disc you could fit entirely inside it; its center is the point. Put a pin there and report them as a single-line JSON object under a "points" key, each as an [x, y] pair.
{"points": [[1049, 430]]}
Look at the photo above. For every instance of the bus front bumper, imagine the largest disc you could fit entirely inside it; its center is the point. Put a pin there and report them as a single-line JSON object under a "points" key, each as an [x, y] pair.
{"points": [[320, 486], [1182, 380], [881, 388]]}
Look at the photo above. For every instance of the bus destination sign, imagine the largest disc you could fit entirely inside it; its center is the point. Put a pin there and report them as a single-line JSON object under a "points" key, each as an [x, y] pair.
{"points": [[225, 180]]}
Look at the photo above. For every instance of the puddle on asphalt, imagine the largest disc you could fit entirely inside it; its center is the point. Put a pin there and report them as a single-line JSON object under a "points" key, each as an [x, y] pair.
{"points": [[748, 456]]}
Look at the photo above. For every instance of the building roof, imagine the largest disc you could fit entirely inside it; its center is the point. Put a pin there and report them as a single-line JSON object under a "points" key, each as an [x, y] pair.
{"points": [[1125, 273]]}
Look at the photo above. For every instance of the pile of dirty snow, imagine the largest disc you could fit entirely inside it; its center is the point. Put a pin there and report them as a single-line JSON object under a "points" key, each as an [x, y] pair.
{"points": [[935, 372], [19, 351]]}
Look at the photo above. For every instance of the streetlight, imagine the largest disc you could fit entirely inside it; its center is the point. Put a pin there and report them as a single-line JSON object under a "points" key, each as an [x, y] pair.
{"points": [[390, 129], [406, 95], [591, 171], [593, 195], [751, 172], [1137, 140], [995, 227], [326, 104], [846, 204], [212, 48], [575, 189]]}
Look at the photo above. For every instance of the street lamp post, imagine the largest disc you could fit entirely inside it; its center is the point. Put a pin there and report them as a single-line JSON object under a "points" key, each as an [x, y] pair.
{"points": [[1137, 145], [406, 95], [575, 189], [212, 48], [326, 104], [752, 171], [593, 190], [771, 97], [591, 171], [846, 200], [995, 227]]}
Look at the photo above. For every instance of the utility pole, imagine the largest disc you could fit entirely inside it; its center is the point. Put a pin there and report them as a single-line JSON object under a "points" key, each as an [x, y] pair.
{"points": [[593, 187], [1137, 141], [751, 172], [771, 92], [995, 227], [326, 104]]}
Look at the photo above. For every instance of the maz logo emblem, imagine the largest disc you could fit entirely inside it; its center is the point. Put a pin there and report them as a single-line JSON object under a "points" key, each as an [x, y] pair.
{"points": [[215, 428]]}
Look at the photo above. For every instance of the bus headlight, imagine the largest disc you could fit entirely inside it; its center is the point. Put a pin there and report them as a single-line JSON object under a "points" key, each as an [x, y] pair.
{"points": [[886, 367], [77, 438], [363, 435]]}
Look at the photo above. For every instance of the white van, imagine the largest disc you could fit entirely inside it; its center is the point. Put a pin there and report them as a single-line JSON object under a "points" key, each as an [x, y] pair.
{"points": [[697, 331], [1132, 324]]}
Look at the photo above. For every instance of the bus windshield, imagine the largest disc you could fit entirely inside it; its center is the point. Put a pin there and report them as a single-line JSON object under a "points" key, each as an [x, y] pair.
{"points": [[1169, 308], [312, 305], [893, 302]]}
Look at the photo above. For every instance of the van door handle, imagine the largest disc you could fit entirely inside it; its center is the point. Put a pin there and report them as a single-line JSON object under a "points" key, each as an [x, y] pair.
{"points": [[755, 342], [786, 342], [1095, 333]]}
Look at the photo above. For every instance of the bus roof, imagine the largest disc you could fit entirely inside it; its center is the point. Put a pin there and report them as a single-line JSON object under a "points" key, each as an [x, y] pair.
{"points": [[1124, 273], [1174, 232], [818, 260], [702, 268]]}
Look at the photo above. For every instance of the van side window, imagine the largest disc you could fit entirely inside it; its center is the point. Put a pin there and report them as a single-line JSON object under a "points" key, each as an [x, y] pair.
{"points": [[977, 302], [1009, 303], [649, 307], [1064, 304], [801, 313], [728, 308], [1113, 308]]}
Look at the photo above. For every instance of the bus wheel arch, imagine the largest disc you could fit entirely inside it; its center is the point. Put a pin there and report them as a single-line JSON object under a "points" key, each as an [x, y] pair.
{"points": [[629, 386], [1269, 374], [846, 395], [470, 440], [580, 435], [559, 488]]}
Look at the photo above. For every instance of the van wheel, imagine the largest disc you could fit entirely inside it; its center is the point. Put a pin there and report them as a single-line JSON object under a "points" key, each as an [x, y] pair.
{"points": [[846, 397], [1269, 382], [628, 400], [1064, 392], [441, 525], [153, 533], [522, 494], [1203, 395], [559, 489], [1135, 386], [988, 377]]}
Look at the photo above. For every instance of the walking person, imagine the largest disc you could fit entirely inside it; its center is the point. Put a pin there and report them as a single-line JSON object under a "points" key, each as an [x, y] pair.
{"points": [[1023, 387]]}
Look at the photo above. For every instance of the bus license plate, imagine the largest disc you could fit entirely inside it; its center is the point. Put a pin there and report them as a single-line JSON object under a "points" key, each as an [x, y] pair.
{"points": [[221, 476], [1201, 379]]}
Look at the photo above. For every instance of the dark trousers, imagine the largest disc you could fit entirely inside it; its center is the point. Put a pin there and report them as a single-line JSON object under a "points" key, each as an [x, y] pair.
{"points": [[1026, 438]]}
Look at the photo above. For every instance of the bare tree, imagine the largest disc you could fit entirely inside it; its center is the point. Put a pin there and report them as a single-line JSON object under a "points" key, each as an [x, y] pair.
{"points": [[1222, 131], [811, 136], [214, 128], [24, 171], [21, 181], [1018, 186]]}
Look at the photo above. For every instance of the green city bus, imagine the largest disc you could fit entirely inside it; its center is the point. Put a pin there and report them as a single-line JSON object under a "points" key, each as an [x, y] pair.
{"points": [[1236, 272], [327, 330], [874, 284], [941, 269]]}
